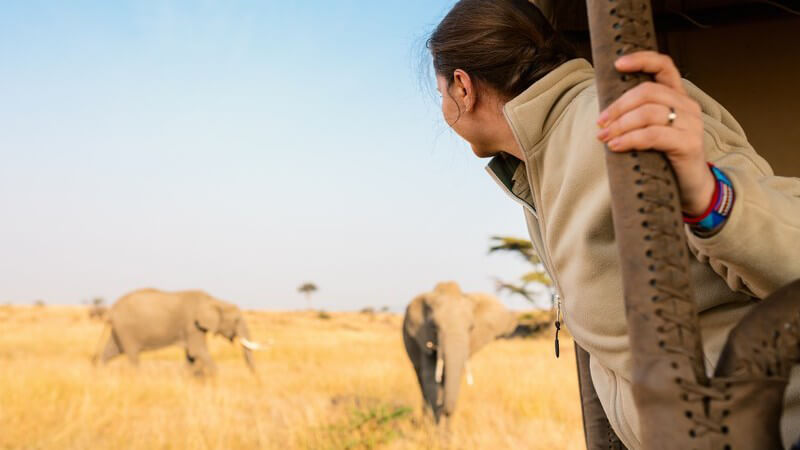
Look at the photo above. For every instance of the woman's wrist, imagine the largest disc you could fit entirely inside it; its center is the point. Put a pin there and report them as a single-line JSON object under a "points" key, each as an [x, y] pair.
{"points": [[702, 196], [711, 220]]}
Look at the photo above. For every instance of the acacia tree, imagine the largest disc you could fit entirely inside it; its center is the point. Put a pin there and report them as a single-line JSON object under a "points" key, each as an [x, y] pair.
{"points": [[307, 289], [538, 275]]}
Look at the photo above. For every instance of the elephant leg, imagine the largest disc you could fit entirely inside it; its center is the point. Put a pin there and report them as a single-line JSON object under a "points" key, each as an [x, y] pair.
{"points": [[133, 357], [110, 351], [129, 346], [200, 363], [189, 358], [198, 356], [430, 388]]}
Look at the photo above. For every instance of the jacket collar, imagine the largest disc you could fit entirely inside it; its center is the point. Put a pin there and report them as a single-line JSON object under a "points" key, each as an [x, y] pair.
{"points": [[531, 115], [509, 173]]}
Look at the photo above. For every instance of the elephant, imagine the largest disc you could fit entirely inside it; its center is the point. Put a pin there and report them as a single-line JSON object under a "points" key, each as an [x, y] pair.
{"points": [[149, 319], [442, 329]]}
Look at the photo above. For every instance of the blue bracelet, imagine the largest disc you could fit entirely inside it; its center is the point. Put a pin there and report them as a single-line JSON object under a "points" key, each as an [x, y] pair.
{"points": [[712, 220]]}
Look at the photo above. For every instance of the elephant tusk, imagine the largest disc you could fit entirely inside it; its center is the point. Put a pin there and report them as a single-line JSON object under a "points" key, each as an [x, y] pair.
{"points": [[470, 380], [439, 368], [248, 344]]}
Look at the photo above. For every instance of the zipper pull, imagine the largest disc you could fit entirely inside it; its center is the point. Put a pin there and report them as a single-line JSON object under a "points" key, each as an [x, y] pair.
{"points": [[558, 328], [558, 322]]}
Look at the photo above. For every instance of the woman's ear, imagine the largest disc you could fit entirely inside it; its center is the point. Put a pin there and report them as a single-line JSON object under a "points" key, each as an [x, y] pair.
{"points": [[463, 91], [207, 316]]}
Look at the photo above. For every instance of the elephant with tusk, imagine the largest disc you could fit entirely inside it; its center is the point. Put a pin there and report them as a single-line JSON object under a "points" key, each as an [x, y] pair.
{"points": [[150, 319], [442, 329]]}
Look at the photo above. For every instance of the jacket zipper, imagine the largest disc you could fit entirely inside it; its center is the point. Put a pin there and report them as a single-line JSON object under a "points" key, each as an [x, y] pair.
{"points": [[543, 255], [558, 318]]}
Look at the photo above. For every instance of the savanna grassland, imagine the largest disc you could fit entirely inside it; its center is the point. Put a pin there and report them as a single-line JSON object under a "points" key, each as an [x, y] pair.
{"points": [[336, 382]]}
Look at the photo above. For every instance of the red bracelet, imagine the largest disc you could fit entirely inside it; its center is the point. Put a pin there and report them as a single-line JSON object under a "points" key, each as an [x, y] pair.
{"points": [[714, 198], [715, 216]]}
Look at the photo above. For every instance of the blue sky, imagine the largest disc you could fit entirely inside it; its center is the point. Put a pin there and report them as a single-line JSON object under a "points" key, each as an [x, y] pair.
{"points": [[238, 147]]}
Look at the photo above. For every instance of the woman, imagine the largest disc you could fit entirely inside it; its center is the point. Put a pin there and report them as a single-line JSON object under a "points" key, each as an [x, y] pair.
{"points": [[514, 90]]}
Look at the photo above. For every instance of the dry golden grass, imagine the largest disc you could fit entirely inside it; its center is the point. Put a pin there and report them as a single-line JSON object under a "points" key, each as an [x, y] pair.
{"points": [[340, 383]]}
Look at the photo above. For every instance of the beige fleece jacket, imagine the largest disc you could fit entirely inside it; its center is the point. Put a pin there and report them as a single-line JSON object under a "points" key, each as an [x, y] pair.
{"points": [[564, 187]]}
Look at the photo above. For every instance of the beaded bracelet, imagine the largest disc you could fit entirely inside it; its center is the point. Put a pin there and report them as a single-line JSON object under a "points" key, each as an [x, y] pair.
{"points": [[712, 220]]}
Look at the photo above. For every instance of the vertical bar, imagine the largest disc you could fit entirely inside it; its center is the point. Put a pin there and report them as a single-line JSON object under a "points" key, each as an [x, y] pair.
{"points": [[665, 340]]}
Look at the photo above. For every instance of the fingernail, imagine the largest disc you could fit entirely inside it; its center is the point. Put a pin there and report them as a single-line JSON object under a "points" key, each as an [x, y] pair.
{"points": [[613, 144], [602, 119], [602, 134]]}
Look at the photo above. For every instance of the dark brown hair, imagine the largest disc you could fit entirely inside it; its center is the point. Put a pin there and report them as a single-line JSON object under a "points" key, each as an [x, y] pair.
{"points": [[506, 44]]}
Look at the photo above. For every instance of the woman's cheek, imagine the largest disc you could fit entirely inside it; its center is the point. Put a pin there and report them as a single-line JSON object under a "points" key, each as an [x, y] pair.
{"points": [[450, 116], [444, 114]]}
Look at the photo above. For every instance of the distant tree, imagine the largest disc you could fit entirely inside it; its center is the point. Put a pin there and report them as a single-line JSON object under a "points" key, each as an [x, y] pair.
{"points": [[38, 303], [307, 289], [98, 310], [521, 290], [519, 246], [523, 248], [384, 309]]}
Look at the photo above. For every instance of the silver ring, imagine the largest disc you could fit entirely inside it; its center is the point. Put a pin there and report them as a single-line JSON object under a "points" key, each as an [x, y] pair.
{"points": [[671, 116]]}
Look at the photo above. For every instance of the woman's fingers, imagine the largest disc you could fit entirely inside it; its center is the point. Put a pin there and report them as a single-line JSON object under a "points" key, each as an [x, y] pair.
{"points": [[644, 93], [684, 149], [661, 66], [677, 144], [641, 117], [640, 120], [649, 114]]}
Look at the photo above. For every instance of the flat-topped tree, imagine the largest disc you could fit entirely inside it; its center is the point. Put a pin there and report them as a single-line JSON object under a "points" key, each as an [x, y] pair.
{"points": [[307, 289], [523, 248]]}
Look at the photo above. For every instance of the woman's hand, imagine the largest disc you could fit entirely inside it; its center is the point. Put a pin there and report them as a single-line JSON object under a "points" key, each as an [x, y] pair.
{"points": [[641, 119]]}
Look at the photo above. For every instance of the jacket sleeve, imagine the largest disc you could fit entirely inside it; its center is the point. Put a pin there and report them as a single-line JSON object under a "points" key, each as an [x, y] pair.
{"points": [[758, 248]]}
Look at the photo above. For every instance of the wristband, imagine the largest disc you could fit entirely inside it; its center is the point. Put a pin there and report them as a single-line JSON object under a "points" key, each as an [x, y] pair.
{"points": [[712, 220]]}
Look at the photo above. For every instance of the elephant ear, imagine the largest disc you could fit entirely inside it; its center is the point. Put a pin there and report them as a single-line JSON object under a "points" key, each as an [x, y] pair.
{"points": [[207, 316], [415, 322], [490, 320]]}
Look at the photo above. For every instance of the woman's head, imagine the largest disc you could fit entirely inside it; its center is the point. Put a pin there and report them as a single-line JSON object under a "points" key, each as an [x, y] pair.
{"points": [[486, 52]]}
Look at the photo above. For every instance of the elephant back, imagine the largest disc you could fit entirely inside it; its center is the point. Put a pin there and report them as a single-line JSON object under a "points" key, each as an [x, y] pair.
{"points": [[491, 320], [143, 306]]}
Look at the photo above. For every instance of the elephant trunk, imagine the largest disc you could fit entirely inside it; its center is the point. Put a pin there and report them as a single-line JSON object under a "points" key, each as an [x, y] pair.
{"points": [[455, 351], [244, 336]]}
